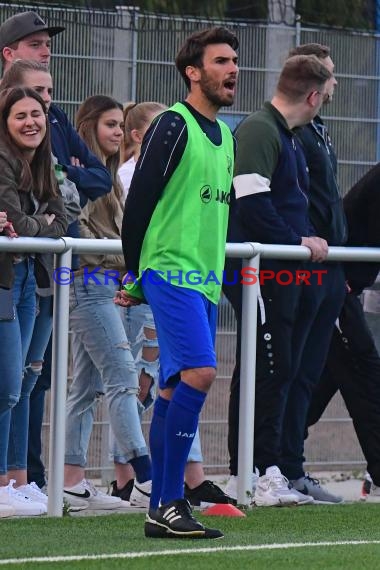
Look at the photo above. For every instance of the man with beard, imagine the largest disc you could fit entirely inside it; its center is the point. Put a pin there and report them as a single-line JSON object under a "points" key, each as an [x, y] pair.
{"points": [[174, 235], [321, 301], [271, 206]]}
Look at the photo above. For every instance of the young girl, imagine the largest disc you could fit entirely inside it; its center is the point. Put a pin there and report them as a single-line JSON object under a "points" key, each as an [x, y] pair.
{"points": [[141, 329], [138, 321], [137, 119], [102, 359], [29, 194]]}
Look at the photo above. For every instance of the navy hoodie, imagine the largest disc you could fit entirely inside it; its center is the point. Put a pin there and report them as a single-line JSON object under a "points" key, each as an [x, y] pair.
{"points": [[93, 179]]}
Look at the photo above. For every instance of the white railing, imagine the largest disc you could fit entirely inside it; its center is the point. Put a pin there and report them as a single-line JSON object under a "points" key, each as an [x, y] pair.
{"points": [[250, 253]]}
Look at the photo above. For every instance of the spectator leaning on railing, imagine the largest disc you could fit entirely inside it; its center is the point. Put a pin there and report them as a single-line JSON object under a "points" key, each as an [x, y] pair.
{"points": [[26, 36], [30, 196], [320, 301], [102, 359], [271, 206]]}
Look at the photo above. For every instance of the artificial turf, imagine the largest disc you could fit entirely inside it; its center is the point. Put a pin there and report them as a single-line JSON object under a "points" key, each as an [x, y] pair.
{"points": [[112, 534]]}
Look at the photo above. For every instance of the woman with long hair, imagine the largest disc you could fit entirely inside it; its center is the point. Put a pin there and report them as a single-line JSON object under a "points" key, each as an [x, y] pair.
{"points": [[26, 73], [102, 359], [30, 196], [137, 119], [138, 320]]}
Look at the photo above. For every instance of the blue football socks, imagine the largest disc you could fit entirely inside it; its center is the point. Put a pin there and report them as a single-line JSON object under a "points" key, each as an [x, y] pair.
{"points": [[157, 448], [181, 424]]}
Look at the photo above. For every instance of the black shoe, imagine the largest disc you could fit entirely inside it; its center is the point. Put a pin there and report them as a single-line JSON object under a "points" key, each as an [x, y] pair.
{"points": [[207, 492], [174, 520], [123, 493]]}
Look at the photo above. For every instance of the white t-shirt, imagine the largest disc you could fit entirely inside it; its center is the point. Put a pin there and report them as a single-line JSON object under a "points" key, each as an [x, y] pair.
{"points": [[125, 172]]}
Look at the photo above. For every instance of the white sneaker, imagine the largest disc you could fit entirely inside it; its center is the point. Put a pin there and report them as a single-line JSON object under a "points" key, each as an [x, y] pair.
{"points": [[6, 511], [232, 483], [140, 495], [272, 490], [85, 496], [33, 491], [22, 505]]}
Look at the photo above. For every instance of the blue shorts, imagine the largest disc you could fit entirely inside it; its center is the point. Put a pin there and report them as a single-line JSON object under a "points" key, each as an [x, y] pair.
{"points": [[186, 327]]}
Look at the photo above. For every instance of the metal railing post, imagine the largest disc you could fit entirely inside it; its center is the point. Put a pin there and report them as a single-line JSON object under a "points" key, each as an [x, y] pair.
{"points": [[58, 389], [250, 252], [247, 384]]}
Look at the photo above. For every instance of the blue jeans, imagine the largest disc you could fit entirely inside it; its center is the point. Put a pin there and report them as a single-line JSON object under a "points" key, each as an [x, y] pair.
{"points": [[14, 394], [39, 380], [102, 361], [36, 468], [40, 338], [135, 320]]}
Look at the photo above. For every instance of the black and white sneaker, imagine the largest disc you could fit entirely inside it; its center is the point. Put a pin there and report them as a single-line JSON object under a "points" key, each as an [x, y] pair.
{"points": [[175, 520], [207, 493], [140, 494], [85, 496], [125, 492]]}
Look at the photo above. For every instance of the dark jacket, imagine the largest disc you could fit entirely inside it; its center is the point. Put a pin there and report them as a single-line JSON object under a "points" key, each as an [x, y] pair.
{"points": [[325, 200], [362, 207], [278, 214], [92, 180], [27, 218]]}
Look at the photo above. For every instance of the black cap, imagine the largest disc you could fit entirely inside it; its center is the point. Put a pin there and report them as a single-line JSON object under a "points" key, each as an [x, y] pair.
{"points": [[22, 25]]}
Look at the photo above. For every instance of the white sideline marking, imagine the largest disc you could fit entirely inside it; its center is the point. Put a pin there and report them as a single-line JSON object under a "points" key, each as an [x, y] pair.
{"points": [[150, 553]]}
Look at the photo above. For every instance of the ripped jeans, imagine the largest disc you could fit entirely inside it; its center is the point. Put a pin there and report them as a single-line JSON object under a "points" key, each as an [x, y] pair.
{"points": [[40, 339], [15, 338], [37, 380], [102, 361], [138, 321], [141, 332]]}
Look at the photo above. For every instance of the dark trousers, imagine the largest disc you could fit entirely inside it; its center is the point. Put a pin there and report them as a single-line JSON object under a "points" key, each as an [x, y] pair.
{"points": [[319, 307], [273, 364], [36, 468], [353, 367]]}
